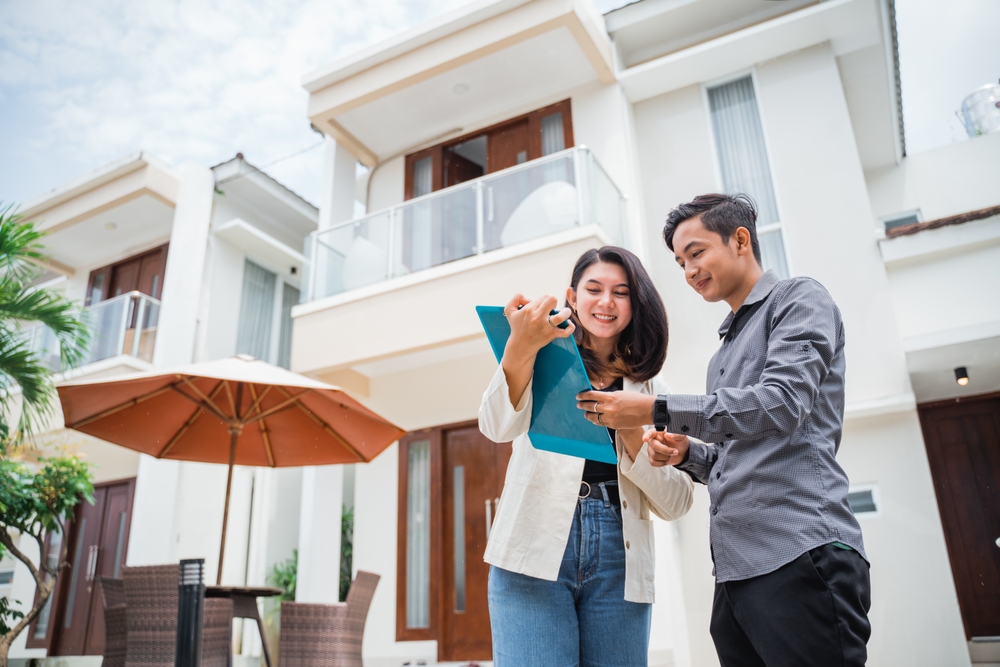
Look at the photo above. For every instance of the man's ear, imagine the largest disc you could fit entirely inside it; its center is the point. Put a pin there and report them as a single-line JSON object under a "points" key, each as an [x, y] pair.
{"points": [[743, 245]]}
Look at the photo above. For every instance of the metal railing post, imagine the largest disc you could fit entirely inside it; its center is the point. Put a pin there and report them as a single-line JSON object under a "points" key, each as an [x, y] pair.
{"points": [[126, 308], [390, 243], [139, 311], [480, 230], [581, 185]]}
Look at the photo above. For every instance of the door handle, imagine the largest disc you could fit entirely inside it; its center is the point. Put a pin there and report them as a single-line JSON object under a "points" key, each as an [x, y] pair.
{"points": [[92, 562], [489, 517]]}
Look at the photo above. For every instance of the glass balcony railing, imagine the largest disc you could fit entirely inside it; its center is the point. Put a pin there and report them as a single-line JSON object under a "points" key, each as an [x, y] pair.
{"points": [[125, 324], [535, 199]]}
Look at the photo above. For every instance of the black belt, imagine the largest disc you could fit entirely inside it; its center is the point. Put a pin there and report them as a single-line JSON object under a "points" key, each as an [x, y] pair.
{"points": [[588, 490]]}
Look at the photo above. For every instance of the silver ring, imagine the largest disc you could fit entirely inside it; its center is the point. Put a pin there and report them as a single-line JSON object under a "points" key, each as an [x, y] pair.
{"points": [[599, 419], [549, 319]]}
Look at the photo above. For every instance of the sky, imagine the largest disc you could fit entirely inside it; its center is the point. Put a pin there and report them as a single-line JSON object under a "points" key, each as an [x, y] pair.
{"points": [[85, 83]]}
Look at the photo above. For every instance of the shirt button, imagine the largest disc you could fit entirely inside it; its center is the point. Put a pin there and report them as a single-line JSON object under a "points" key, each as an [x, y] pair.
{"points": [[627, 545], [624, 504], [729, 435], [684, 429], [718, 475], [715, 510], [721, 371]]}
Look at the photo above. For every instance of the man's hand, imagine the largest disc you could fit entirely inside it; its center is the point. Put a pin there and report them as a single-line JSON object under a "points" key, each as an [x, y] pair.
{"points": [[665, 449], [617, 409]]}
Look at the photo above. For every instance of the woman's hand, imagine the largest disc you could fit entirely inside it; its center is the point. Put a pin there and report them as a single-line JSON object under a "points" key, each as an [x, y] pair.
{"points": [[532, 327], [617, 409], [665, 449]]}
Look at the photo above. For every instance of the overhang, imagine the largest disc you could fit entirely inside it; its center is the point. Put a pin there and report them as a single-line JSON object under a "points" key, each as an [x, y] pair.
{"points": [[125, 206], [849, 25], [466, 70]]}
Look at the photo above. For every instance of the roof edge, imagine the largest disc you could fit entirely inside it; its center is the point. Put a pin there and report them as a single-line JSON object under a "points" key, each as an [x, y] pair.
{"points": [[95, 179], [968, 216], [410, 40]]}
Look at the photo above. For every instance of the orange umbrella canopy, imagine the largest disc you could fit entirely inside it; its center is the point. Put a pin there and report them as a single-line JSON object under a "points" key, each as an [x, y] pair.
{"points": [[193, 412]]}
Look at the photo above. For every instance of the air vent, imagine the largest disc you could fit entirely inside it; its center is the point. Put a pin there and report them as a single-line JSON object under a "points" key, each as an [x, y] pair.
{"points": [[863, 501], [901, 219]]}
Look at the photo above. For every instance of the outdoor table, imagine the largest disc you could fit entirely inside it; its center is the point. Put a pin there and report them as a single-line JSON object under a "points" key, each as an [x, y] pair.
{"points": [[245, 605]]}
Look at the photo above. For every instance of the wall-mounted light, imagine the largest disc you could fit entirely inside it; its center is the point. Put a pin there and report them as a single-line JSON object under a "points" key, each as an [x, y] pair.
{"points": [[110, 226], [961, 376]]}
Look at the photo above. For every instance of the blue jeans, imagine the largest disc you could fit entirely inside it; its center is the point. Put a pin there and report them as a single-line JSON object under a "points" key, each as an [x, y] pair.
{"points": [[580, 620]]}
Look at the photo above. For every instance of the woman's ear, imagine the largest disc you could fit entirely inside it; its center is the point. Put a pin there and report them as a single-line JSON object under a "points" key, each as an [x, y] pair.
{"points": [[571, 298]]}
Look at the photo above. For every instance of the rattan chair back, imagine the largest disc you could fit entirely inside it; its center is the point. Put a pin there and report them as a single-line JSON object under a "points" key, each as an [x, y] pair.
{"points": [[151, 601], [327, 635], [115, 621]]}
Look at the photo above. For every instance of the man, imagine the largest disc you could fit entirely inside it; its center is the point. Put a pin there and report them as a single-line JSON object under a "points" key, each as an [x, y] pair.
{"points": [[792, 585]]}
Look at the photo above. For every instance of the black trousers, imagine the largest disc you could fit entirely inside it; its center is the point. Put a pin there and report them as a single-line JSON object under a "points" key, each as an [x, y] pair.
{"points": [[812, 611]]}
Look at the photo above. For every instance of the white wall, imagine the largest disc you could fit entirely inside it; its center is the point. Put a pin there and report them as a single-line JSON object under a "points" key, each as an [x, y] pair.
{"points": [[386, 184], [945, 181]]}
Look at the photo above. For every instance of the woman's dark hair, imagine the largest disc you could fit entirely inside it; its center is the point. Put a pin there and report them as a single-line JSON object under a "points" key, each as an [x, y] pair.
{"points": [[642, 346], [722, 214]]}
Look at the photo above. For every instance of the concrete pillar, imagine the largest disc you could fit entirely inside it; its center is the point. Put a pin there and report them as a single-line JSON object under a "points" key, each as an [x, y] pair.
{"points": [[337, 193], [153, 537], [318, 578]]}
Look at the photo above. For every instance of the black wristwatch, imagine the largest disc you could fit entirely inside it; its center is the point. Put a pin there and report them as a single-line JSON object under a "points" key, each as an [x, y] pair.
{"points": [[660, 415]]}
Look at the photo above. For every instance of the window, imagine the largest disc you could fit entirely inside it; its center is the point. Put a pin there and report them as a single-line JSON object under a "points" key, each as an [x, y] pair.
{"points": [[743, 162], [265, 322], [864, 501]]}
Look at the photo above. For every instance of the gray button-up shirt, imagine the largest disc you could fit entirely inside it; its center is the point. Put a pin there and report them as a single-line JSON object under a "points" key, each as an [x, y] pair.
{"points": [[775, 411]]}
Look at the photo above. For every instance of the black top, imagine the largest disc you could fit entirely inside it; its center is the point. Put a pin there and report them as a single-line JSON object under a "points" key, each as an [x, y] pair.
{"points": [[595, 472]]}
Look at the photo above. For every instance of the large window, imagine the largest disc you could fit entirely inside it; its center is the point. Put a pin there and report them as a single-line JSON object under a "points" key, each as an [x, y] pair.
{"points": [[265, 324], [743, 163]]}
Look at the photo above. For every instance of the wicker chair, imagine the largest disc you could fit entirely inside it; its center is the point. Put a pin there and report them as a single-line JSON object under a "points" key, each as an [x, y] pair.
{"points": [[115, 628], [151, 599], [327, 635]]}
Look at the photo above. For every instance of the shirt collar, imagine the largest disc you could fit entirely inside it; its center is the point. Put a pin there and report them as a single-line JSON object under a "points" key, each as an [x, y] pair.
{"points": [[760, 291]]}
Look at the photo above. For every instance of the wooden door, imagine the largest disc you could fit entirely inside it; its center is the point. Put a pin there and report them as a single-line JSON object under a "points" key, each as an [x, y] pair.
{"points": [[507, 146], [98, 547], [963, 444], [125, 277], [473, 475]]}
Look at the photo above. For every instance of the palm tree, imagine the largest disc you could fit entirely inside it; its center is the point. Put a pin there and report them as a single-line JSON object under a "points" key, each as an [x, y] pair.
{"points": [[21, 261]]}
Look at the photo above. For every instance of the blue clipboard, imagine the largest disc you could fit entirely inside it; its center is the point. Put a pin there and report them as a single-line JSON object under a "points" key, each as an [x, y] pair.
{"points": [[557, 425]]}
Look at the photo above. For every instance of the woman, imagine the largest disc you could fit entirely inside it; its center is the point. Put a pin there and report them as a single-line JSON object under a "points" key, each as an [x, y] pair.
{"points": [[571, 548]]}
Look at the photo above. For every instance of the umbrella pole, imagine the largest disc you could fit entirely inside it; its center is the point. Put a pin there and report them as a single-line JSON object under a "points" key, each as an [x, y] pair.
{"points": [[234, 436]]}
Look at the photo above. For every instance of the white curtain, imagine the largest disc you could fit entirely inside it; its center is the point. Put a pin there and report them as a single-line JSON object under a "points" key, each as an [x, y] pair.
{"points": [[289, 298], [553, 138], [256, 312], [418, 537]]}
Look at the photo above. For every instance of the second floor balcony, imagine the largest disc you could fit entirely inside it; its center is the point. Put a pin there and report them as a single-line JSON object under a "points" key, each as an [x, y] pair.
{"points": [[536, 199], [123, 325]]}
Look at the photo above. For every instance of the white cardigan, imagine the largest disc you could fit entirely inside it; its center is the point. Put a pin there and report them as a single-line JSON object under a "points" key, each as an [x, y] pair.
{"points": [[540, 493]]}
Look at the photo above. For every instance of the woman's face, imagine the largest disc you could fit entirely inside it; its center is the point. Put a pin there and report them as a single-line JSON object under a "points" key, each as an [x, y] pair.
{"points": [[601, 300]]}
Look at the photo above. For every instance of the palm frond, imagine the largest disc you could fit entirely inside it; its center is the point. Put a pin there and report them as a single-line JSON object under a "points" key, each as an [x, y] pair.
{"points": [[21, 251], [20, 367], [19, 302]]}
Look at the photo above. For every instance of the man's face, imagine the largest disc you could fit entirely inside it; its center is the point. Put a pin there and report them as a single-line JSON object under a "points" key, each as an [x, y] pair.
{"points": [[711, 265]]}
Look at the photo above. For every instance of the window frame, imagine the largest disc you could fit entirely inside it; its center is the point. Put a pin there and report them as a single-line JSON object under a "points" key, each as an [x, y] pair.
{"points": [[717, 167], [281, 279], [432, 631]]}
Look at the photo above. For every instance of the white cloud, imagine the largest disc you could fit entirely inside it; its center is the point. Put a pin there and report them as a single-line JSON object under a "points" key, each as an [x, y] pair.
{"points": [[192, 79]]}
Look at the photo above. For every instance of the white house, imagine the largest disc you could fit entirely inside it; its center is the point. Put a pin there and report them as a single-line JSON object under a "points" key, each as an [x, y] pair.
{"points": [[503, 139], [174, 265]]}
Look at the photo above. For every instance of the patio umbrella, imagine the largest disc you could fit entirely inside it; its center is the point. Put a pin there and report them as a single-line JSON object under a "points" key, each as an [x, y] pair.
{"points": [[237, 411]]}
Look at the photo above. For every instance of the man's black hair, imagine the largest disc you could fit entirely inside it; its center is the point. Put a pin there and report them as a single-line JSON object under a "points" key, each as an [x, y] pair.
{"points": [[722, 214]]}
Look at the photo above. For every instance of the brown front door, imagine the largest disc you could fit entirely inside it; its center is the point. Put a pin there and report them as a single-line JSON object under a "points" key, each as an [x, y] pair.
{"points": [[97, 547], [963, 444], [474, 470]]}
